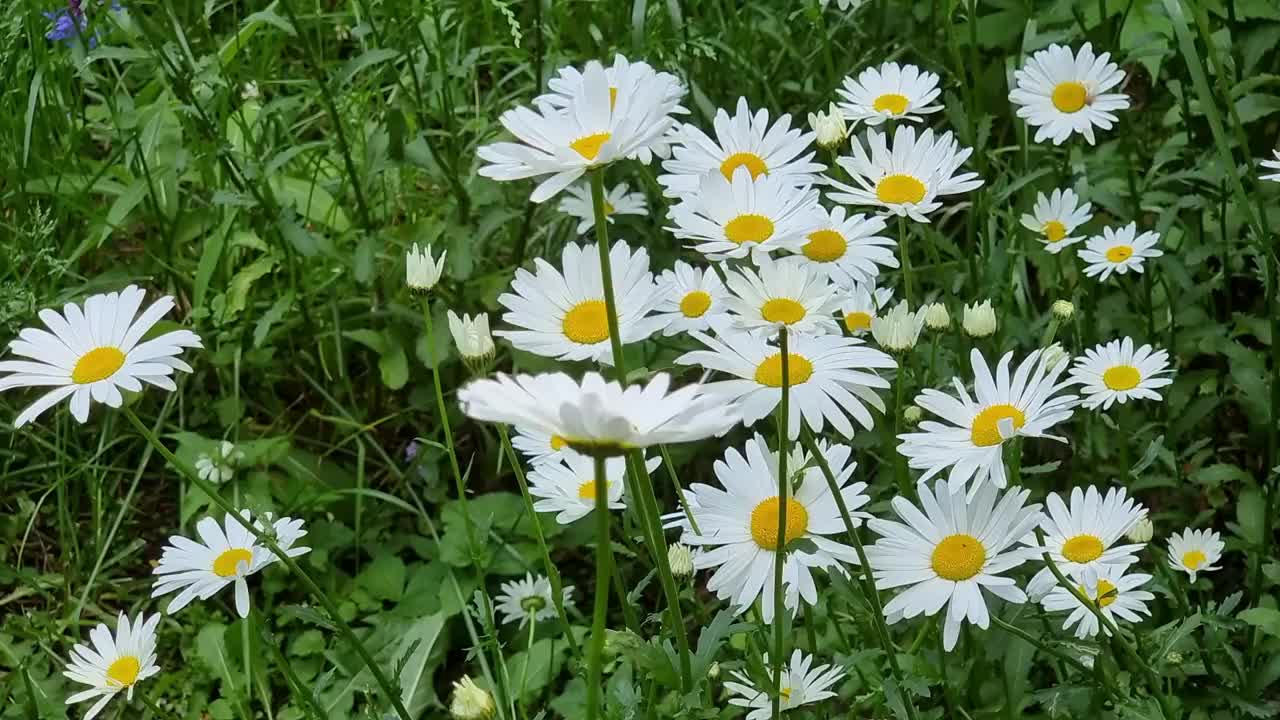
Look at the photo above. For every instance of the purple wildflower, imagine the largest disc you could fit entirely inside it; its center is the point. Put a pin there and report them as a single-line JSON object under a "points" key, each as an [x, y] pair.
{"points": [[72, 22]]}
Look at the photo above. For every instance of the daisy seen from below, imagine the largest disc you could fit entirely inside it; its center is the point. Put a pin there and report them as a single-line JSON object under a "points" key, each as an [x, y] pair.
{"points": [[784, 293], [734, 217], [861, 306], [540, 446], [831, 378], [529, 600], [1195, 551], [1113, 591], [1081, 537], [1117, 372], [618, 200], [803, 683], [907, 179], [847, 248], [1055, 217], [95, 350], [567, 486], [1118, 251], [114, 664], [1060, 93], [691, 297], [971, 440], [1272, 165], [226, 554], [948, 551], [561, 313], [890, 92], [738, 525]]}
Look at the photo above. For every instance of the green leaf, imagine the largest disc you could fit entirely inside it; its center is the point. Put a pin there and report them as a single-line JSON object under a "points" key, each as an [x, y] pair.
{"points": [[1250, 515], [412, 657], [238, 293], [273, 315], [311, 201], [383, 579], [1265, 619], [394, 365]]}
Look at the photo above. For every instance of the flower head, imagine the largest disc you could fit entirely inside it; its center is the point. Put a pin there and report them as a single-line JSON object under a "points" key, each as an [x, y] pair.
{"points": [[691, 298], [1272, 165], [1056, 217], [890, 92], [1142, 531], [618, 200], [470, 701], [1081, 538], [1117, 372], [568, 486], [529, 600], [422, 272], [785, 293], [680, 558], [1114, 592], [848, 249], [861, 306], [471, 335], [829, 128], [221, 465], [1119, 251], [899, 329], [1195, 551], [802, 684], [1061, 93], [114, 664], [936, 317], [979, 320], [1063, 309]]}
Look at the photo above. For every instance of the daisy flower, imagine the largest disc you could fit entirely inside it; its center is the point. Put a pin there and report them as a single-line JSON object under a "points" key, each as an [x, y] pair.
{"points": [[861, 306], [786, 293], [618, 200], [1114, 592], [831, 378], [1055, 217], [1063, 93], [421, 270], [567, 486], [890, 92], [744, 140], [226, 555], [802, 684], [1272, 165], [562, 313], [1118, 251], [736, 216], [738, 525], [1080, 539], [899, 329], [847, 248], [529, 600], [691, 298], [1195, 551], [908, 178], [971, 440], [948, 551], [1115, 372], [221, 465], [539, 446], [114, 664]]}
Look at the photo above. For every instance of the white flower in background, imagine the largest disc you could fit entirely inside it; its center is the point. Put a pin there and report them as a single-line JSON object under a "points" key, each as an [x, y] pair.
{"points": [[1054, 218], [785, 293], [1114, 592], [1116, 372], [470, 701], [948, 551], [899, 329], [846, 5], [680, 558], [94, 351], [979, 320], [802, 682], [1142, 531], [422, 272], [1118, 251], [1195, 551], [847, 249], [890, 92], [540, 446], [691, 297], [114, 664], [529, 600], [829, 128], [912, 414], [618, 200], [1063, 93], [1063, 309], [1054, 354], [861, 306], [1272, 165], [568, 486], [221, 466], [471, 336], [249, 91], [936, 317], [226, 554], [1081, 539], [907, 179]]}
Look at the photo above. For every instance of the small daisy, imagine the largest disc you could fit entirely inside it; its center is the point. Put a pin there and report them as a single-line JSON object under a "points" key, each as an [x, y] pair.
{"points": [[1055, 217], [831, 378], [221, 465], [114, 664], [567, 487], [847, 248], [225, 555], [1063, 93], [529, 600], [1113, 591], [1118, 251], [94, 351], [1272, 165], [890, 92], [691, 298], [744, 140], [861, 306], [562, 313], [802, 684], [619, 200], [1081, 539], [971, 440], [731, 218], [1115, 372], [786, 293], [1195, 551], [908, 178], [949, 550], [541, 447]]}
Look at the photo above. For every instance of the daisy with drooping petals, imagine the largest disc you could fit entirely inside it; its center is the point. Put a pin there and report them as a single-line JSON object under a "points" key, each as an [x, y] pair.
{"points": [[861, 306], [1054, 218], [114, 664], [619, 200], [1272, 165], [1114, 592], [562, 313], [908, 178], [971, 440], [890, 92], [568, 486], [831, 378], [1116, 372], [1063, 93], [847, 249], [899, 329], [1081, 539], [786, 293], [731, 218], [948, 551], [802, 684], [1195, 551], [529, 600], [226, 554], [691, 298], [539, 446], [94, 351], [1118, 251]]}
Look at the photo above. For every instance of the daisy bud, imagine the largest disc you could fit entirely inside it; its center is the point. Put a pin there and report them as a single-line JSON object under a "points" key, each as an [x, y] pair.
{"points": [[829, 127], [681, 559], [713, 672], [936, 317], [421, 272], [912, 414], [979, 320], [1054, 355], [249, 91], [1063, 310], [470, 701], [471, 335], [898, 329], [1142, 531]]}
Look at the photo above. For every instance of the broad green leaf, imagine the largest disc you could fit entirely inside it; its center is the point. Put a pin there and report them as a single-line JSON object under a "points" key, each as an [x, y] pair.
{"points": [[311, 201]]}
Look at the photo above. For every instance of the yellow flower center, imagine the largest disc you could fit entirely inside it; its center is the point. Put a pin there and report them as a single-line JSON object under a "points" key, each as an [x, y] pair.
{"points": [[225, 564], [1054, 231], [1107, 593], [695, 304], [1119, 253], [892, 103], [1122, 377], [1193, 559], [97, 364], [857, 321], [825, 246], [899, 189], [749, 228], [587, 322], [958, 557], [589, 146], [558, 443], [986, 432], [587, 490], [124, 671], [608, 208], [785, 693], [769, 372], [764, 523], [782, 310], [1082, 548], [1070, 96], [752, 161]]}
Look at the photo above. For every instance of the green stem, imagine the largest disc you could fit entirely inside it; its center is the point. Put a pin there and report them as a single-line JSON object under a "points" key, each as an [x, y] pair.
{"points": [[780, 552], [1037, 642], [595, 651]]}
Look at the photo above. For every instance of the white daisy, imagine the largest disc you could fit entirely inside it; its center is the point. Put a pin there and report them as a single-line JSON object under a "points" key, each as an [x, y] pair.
{"points": [[221, 465], [948, 551], [562, 313], [114, 664], [786, 293], [539, 446], [1063, 93], [831, 378], [618, 200], [226, 554], [1195, 551], [422, 271], [1272, 165], [1054, 218], [691, 298], [94, 351], [567, 486], [1081, 539], [899, 329], [802, 684], [847, 249], [907, 179], [971, 441], [1114, 592], [1116, 372], [1118, 251], [529, 600], [890, 92], [861, 306]]}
